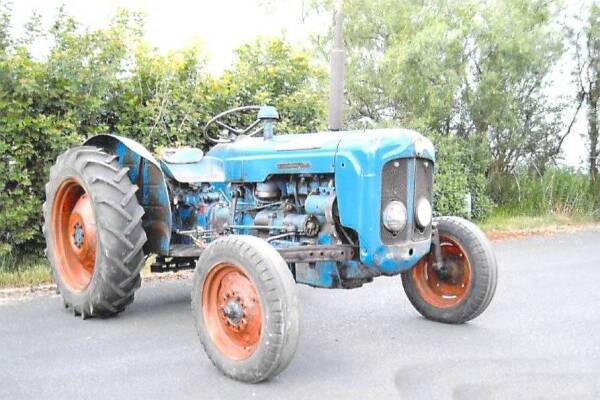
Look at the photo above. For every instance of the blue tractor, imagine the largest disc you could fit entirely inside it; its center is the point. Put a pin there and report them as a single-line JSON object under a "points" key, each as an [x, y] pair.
{"points": [[254, 215]]}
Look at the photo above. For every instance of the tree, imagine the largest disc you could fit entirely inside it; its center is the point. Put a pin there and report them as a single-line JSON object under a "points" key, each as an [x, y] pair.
{"points": [[464, 68], [270, 71], [587, 77], [4, 26], [515, 49], [404, 61]]}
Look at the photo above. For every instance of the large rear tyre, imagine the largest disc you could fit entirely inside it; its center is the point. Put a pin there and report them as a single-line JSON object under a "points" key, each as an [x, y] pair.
{"points": [[466, 287], [245, 308], [93, 230]]}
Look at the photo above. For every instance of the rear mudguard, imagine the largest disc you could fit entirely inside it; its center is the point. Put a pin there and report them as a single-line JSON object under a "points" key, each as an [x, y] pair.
{"points": [[145, 172]]}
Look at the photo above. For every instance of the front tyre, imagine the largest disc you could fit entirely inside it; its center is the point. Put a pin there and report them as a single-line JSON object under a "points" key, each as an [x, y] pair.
{"points": [[245, 308], [466, 287]]}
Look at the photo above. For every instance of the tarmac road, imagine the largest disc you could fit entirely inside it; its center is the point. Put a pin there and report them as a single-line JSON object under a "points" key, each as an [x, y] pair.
{"points": [[540, 338]]}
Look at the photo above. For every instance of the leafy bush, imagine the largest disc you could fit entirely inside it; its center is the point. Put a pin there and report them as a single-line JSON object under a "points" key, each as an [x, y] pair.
{"points": [[109, 81], [460, 173]]}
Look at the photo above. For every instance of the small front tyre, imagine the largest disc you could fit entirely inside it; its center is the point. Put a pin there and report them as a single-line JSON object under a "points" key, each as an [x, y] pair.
{"points": [[466, 286], [245, 308]]}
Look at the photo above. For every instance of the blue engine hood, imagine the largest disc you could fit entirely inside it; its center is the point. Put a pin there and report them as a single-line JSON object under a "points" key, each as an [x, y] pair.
{"points": [[254, 159]]}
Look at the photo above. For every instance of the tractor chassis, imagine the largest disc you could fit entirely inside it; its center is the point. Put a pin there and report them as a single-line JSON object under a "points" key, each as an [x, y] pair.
{"points": [[184, 257]]}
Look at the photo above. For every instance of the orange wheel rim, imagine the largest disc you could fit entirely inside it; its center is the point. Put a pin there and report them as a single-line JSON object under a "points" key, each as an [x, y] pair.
{"points": [[74, 234], [232, 311], [449, 290]]}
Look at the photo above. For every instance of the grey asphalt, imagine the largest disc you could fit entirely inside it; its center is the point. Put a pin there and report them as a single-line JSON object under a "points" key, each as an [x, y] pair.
{"points": [[540, 338]]}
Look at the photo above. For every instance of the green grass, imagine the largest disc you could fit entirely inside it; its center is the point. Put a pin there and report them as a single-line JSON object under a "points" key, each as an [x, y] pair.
{"points": [[503, 220], [559, 192], [31, 271], [27, 271], [527, 201]]}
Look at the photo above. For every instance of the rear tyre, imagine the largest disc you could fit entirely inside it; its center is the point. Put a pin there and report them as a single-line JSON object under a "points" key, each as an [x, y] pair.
{"points": [[245, 308], [467, 287], [93, 230]]}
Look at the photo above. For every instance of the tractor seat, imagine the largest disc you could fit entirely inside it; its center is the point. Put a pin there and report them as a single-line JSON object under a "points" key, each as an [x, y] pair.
{"points": [[189, 165], [181, 155]]}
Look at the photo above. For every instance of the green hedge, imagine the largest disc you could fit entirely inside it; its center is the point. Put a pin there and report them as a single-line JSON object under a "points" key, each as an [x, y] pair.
{"points": [[460, 174], [109, 81]]}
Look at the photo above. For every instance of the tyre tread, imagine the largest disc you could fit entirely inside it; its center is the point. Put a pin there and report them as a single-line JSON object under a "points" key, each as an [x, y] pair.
{"points": [[119, 260], [481, 292], [279, 295]]}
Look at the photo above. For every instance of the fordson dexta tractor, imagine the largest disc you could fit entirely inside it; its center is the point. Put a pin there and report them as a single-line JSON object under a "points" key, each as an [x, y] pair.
{"points": [[254, 215]]}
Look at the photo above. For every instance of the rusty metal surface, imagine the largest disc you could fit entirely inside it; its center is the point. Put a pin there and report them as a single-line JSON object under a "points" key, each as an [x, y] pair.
{"points": [[312, 253]]}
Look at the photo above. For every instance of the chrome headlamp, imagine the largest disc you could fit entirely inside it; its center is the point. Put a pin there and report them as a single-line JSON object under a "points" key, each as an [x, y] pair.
{"points": [[423, 213], [394, 216]]}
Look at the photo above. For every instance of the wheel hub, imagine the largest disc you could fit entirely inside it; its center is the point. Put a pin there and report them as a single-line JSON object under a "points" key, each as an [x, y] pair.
{"points": [[78, 235], [451, 272], [233, 311], [446, 286]]}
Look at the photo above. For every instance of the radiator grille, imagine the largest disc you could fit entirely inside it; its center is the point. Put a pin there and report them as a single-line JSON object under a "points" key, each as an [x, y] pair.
{"points": [[423, 188], [394, 186], [394, 182]]}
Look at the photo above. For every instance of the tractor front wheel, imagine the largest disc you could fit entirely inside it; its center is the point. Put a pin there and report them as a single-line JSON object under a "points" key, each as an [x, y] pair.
{"points": [[94, 233], [464, 286], [245, 308]]}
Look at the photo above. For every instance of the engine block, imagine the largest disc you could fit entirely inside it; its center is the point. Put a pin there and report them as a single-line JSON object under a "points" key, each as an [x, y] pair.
{"points": [[284, 210]]}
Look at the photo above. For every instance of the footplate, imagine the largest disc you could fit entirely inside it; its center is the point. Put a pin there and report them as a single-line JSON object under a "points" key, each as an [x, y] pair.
{"points": [[172, 264]]}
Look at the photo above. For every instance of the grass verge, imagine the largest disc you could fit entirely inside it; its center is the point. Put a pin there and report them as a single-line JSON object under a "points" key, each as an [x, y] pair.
{"points": [[503, 221], [34, 271], [28, 271]]}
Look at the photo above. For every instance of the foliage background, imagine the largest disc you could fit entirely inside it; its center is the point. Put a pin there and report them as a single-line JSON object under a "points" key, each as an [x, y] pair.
{"points": [[470, 75], [110, 81]]}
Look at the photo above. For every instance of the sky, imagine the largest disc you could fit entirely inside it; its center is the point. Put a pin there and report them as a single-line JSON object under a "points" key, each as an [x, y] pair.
{"points": [[223, 25], [220, 25]]}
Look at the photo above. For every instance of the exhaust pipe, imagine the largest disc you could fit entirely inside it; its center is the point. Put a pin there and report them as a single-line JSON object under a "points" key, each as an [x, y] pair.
{"points": [[336, 90]]}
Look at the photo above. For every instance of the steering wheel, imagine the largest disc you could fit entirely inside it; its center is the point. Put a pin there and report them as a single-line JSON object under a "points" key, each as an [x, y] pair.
{"points": [[228, 133]]}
